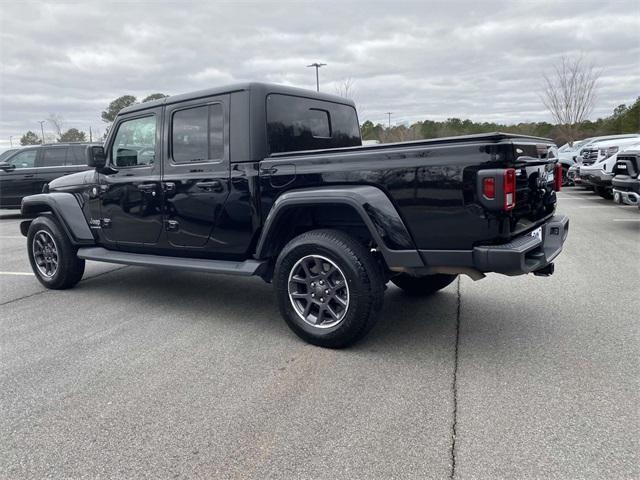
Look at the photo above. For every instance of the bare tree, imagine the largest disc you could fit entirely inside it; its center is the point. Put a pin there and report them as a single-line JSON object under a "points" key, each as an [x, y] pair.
{"points": [[570, 93], [346, 88], [58, 124]]}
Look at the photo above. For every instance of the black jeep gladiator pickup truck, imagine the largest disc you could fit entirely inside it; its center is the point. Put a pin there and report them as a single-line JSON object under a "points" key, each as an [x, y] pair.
{"points": [[258, 179]]}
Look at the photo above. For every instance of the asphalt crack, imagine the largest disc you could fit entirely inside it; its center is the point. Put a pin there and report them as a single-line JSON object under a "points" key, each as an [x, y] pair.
{"points": [[47, 291], [454, 389]]}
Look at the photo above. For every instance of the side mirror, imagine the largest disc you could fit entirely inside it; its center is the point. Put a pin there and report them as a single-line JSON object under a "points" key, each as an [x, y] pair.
{"points": [[7, 167], [96, 157]]}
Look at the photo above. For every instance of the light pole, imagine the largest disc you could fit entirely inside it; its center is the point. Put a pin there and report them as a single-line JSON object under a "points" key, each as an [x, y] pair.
{"points": [[41, 122], [389, 114], [317, 66], [11, 140]]}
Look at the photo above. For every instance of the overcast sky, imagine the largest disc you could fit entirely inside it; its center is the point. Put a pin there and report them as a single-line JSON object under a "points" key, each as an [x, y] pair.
{"points": [[421, 60]]}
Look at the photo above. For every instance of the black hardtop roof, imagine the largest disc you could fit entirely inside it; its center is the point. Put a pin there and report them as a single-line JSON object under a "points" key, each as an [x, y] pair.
{"points": [[261, 88]]}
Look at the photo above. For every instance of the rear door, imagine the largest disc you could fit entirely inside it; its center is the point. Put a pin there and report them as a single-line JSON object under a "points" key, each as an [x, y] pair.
{"points": [[20, 179], [51, 164], [196, 171]]}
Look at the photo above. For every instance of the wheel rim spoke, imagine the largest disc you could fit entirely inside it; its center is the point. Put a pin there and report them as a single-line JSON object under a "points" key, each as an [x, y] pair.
{"points": [[45, 254], [330, 311]]}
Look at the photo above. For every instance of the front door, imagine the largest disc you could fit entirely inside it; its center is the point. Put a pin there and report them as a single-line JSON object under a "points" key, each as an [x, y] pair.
{"points": [[196, 170], [131, 194], [19, 179]]}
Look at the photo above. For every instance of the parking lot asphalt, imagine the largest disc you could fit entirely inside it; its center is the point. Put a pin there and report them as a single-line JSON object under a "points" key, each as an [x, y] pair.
{"points": [[154, 373]]}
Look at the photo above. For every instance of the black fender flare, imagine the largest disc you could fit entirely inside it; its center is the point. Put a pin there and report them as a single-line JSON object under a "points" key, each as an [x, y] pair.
{"points": [[374, 207], [66, 208]]}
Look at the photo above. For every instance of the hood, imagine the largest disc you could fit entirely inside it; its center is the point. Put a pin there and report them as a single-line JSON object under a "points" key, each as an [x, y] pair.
{"points": [[619, 142], [73, 180]]}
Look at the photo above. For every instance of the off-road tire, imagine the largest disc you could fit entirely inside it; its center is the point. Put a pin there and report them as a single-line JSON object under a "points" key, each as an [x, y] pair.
{"points": [[69, 268], [422, 286], [358, 267]]}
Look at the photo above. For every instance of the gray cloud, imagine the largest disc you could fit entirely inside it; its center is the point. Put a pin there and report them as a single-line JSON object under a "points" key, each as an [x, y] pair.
{"points": [[478, 60]]}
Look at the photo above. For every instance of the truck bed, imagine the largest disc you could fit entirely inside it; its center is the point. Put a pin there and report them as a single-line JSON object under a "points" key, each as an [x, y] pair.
{"points": [[433, 183]]}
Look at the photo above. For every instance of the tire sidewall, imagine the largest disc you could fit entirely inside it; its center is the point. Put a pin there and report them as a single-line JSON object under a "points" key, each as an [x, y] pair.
{"points": [[360, 294], [66, 253]]}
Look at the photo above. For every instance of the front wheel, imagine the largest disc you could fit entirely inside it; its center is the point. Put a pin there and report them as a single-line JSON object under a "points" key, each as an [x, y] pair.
{"points": [[52, 256], [422, 286], [329, 288], [604, 192]]}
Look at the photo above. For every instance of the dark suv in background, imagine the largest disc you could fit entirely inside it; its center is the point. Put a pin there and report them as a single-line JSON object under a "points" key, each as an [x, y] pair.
{"points": [[25, 171]]}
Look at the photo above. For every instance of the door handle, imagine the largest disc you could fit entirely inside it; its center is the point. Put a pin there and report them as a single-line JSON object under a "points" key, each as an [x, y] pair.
{"points": [[30, 175], [268, 170], [214, 184]]}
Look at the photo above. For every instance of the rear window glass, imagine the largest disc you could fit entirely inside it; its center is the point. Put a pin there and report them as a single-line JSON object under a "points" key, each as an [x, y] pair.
{"points": [[297, 123]]}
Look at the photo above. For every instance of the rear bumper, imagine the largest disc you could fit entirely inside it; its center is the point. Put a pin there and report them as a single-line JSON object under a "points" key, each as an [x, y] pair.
{"points": [[524, 254]]}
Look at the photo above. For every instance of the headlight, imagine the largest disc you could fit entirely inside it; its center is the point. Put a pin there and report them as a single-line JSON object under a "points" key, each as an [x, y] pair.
{"points": [[610, 151]]}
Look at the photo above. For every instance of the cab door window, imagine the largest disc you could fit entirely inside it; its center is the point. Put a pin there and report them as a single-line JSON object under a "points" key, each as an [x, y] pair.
{"points": [[197, 134], [24, 159], [135, 143]]}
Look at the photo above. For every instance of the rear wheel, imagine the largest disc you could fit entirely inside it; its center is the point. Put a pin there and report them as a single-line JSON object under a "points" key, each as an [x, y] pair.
{"points": [[422, 286], [329, 288], [52, 256]]}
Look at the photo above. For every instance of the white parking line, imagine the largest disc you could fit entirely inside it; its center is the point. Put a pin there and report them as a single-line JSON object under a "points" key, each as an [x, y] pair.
{"points": [[16, 273], [608, 206], [626, 219], [11, 236], [579, 198]]}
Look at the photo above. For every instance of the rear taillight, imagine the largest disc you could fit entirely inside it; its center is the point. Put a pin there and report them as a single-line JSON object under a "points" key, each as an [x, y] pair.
{"points": [[557, 177], [509, 189], [489, 188]]}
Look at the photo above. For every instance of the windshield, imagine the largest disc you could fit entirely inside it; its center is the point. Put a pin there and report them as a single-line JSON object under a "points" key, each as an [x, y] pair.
{"points": [[7, 154]]}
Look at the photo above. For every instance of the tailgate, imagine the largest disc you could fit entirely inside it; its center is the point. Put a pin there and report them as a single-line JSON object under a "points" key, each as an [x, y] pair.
{"points": [[535, 194]]}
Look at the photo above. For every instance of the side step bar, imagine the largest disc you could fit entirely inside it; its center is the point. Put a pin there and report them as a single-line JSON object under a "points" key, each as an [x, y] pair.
{"points": [[246, 268]]}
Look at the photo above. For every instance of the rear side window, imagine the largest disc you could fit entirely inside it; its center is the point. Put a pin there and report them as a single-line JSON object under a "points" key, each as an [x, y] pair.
{"points": [[77, 155], [54, 157], [297, 123], [197, 134]]}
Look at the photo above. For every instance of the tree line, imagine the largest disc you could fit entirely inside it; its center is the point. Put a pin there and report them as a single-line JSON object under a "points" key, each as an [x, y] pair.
{"points": [[75, 135], [624, 119]]}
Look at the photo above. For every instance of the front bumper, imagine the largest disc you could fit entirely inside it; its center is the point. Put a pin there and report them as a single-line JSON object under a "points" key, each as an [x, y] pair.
{"points": [[626, 183], [626, 190], [522, 255], [598, 178], [628, 198]]}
